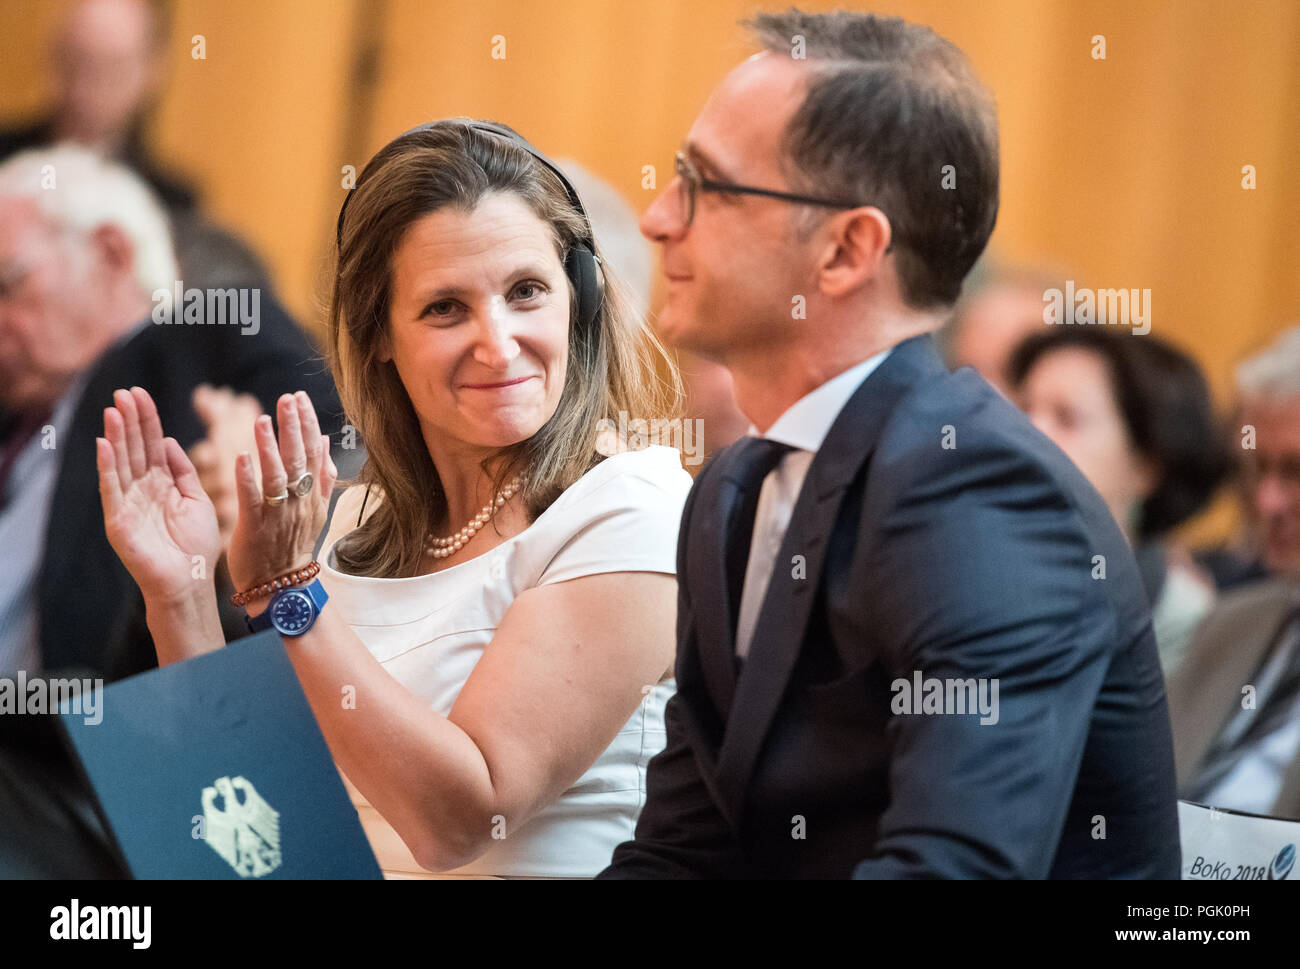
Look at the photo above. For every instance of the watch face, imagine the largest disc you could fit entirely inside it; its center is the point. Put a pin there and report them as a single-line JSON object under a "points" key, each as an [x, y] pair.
{"points": [[292, 612]]}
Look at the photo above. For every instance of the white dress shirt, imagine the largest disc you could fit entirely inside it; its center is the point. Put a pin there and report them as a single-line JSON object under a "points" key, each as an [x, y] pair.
{"points": [[803, 426]]}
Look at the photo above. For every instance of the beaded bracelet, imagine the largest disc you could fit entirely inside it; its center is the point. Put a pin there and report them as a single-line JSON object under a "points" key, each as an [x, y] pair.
{"points": [[295, 577]]}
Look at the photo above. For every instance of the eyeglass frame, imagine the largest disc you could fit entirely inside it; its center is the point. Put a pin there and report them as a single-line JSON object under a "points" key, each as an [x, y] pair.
{"points": [[685, 169]]}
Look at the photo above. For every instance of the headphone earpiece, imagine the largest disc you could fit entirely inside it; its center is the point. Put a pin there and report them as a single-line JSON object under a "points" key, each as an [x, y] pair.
{"points": [[582, 267]]}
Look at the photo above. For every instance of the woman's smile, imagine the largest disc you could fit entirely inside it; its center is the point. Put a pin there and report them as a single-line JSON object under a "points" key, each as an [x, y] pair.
{"points": [[502, 385]]}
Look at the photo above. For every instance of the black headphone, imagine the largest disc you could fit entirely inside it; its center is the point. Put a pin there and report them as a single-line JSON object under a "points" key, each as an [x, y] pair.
{"points": [[581, 264]]}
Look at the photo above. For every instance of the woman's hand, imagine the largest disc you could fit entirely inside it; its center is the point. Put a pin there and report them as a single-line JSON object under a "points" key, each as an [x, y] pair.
{"points": [[158, 518], [272, 538]]}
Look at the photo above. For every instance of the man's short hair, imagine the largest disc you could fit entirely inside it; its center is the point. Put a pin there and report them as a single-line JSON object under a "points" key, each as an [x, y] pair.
{"points": [[1273, 374], [890, 106]]}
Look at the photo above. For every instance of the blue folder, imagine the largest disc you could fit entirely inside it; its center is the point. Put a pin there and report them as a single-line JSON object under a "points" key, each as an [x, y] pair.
{"points": [[216, 768]]}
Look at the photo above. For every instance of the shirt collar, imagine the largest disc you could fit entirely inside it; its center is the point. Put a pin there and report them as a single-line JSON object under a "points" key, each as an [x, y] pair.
{"points": [[808, 420]]}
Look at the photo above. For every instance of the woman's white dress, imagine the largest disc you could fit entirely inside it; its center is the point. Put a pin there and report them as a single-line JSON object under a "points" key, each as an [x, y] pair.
{"points": [[428, 632]]}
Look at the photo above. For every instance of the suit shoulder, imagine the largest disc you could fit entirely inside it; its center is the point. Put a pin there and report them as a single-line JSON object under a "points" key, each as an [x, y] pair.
{"points": [[956, 421], [961, 473]]}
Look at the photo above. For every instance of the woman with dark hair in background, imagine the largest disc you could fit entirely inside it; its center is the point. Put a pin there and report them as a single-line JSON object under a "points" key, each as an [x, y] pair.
{"points": [[1135, 415]]}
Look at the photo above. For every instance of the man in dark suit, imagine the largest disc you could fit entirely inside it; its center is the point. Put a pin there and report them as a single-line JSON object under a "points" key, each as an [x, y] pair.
{"points": [[79, 266], [911, 640]]}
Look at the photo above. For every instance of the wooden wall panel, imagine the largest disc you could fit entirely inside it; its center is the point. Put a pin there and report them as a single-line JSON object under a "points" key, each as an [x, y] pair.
{"points": [[1126, 171]]}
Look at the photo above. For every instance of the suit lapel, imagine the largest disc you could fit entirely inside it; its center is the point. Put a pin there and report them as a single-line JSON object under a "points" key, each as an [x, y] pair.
{"points": [[701, 723], [1204, 695], [1287, 804], [787, 606], [708, 584]]}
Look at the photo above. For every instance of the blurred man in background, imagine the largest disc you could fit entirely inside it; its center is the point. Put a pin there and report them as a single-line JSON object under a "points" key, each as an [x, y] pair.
{"points": [[107, 62], [1235, 703], [1268, 410], [84, 249], [1269, 389], [78, 261]]}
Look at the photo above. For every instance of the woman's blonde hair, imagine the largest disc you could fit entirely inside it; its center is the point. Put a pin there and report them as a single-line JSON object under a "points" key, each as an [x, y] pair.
{"points": [[615, 365]]}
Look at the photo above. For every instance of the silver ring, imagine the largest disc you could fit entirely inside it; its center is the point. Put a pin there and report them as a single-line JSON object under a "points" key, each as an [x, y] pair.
{"points": [[279, 499], [302, 487]]}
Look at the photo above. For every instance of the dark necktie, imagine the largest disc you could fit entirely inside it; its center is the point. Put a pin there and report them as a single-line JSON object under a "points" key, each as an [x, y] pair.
{"points": [[1274, 709], [756, 458], [17, 434]]}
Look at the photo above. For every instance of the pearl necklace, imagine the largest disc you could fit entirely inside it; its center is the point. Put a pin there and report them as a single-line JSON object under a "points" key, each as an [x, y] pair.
{"points": [[440, 548]]}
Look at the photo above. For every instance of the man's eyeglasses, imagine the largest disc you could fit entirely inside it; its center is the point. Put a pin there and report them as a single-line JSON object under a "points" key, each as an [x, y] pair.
{"points": [[691, 183]]}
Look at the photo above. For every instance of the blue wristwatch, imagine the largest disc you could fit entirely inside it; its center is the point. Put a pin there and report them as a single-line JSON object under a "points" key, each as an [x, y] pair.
{"points": [[292, 611]]}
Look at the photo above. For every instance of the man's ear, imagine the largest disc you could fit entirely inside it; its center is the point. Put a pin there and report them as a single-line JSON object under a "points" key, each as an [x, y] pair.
{"points": [[854, 249], [113, 249]]}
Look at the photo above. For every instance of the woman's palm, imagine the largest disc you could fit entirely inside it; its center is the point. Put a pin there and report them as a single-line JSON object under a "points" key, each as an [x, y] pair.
{"points": [[163, 537], [157, 516]]}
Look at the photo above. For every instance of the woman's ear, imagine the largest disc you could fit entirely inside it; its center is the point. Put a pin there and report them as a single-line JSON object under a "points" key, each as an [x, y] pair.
{"points": [[1147, 475]]}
